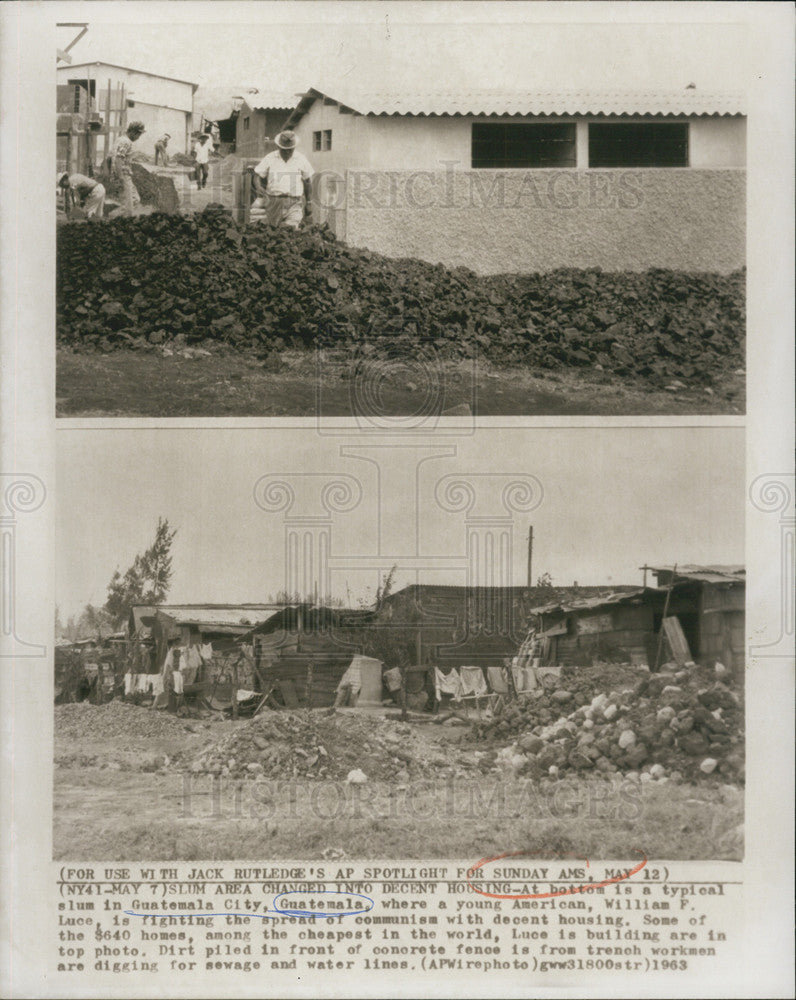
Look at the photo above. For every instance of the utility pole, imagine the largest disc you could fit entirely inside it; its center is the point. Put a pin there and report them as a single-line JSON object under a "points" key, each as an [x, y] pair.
{"points": [[530, 556]]}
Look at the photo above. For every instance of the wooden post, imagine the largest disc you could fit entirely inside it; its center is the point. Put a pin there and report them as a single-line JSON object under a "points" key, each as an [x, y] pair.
{"points": [[235, 690], [665, 609], [106, 144], [403, 694], [308, 693]]}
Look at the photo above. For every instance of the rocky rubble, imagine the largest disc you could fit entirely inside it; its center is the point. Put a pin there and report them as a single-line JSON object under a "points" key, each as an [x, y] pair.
{"points": [[316, 746], [144, 281], [677, 724], [116, 720]]}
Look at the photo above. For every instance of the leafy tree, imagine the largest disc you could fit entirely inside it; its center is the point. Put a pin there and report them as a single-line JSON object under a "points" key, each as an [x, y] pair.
{"points": [[147, 581], [545, 583]]}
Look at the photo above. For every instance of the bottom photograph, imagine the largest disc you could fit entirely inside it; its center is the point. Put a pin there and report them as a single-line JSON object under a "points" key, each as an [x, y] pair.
{"points": [[291, 645]]}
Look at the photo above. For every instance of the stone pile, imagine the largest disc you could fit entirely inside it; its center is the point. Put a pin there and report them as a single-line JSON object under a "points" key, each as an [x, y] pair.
{"points": [[116, 720], [135, 283], [328, 747], [679, 724]]}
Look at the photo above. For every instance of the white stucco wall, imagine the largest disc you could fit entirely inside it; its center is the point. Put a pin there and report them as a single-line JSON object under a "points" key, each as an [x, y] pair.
{"points": [[717, 142], [162, 105], [406, 142]]}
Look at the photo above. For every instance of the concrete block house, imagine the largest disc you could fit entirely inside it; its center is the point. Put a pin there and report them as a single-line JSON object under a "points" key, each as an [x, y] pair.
{"points": [[532, 181]]}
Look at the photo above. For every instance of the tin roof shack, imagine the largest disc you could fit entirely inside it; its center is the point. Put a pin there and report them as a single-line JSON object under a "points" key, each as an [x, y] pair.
{"points": [[617, 627], [301, 651], [618, 180], [454, 626], [707, 603], [712, 603], [222, 625]]}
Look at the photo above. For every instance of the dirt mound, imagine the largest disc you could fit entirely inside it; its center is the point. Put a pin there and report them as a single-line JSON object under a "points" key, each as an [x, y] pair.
{"points": [[315, 745], [686, 723], [117, 720], [264, 288]]}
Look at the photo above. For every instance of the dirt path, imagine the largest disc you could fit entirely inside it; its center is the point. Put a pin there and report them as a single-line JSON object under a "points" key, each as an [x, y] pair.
{"points": [[128, 383]]}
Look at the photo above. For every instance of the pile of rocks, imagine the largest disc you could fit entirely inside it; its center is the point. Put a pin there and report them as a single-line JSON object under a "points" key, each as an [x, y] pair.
{"points": [[119, 721], [678, 724], [328, 747], [152, 278]]}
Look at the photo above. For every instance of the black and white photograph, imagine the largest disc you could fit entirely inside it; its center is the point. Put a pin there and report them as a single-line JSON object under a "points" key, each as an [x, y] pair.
{"points": [[538, 218], [418, 652]]}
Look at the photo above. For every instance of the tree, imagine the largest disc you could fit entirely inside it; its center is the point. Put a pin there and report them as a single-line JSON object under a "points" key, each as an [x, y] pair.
{"points": [[545, 584], [147, 581]]}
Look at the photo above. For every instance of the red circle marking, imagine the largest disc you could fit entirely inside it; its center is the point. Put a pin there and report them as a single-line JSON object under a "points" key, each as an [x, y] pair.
{"points": [[586, 887]]}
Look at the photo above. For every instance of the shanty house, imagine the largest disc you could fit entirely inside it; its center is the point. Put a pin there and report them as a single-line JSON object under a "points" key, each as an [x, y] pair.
{"points": [[119, 93], [303, 650], [454, 625], [716, 617], [707, 603], [533, 181]]}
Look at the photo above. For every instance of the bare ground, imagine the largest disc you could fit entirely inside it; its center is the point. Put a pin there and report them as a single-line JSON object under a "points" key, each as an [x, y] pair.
{"points": [[302, 384], [107, 806]]}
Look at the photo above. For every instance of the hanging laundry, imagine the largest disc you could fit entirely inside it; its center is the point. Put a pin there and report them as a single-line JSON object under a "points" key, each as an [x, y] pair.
{"points": [[524, 678], [129, 684], [177, 681], [472, 681], [447, 683], [392, 678], [497, 680]]}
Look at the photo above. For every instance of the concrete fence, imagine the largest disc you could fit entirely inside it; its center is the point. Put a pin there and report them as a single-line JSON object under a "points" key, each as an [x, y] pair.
{"points": [[496, 221]]}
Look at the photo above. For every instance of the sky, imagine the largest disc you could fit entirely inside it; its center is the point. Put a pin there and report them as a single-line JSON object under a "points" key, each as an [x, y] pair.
{"points": [[611, 500], [414, 46]]}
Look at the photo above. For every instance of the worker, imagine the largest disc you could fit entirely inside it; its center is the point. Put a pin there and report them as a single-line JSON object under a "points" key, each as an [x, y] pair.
{"points": [[283, 180], [122, 165], [160, 149], [84, 191], [201, 154]]}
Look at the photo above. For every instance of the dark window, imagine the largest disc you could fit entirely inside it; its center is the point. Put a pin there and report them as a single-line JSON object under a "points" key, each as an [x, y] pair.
{"points": [[523, 145], [245, 124], [316, 141], [327, 139], [647, 144], [131, 104]]}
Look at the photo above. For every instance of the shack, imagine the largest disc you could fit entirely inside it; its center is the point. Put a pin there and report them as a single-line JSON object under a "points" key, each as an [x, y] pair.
{"points": [[707, 604], [301, 651]]}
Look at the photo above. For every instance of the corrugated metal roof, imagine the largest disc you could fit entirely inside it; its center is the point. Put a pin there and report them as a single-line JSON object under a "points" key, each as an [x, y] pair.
{"points": [[242, 616], [706, 574], [532, 102], [589, 603], [264, 98], [70, 67]]}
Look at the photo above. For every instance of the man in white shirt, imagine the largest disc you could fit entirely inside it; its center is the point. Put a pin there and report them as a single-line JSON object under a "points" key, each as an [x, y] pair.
{"points": [[283, 180], [202, 151]]}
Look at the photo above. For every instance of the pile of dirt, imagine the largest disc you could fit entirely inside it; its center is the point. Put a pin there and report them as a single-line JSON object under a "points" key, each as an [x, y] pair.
{"points": [[119, 721], [154, 189], [258, 287], [328, 747], [686, 723]]}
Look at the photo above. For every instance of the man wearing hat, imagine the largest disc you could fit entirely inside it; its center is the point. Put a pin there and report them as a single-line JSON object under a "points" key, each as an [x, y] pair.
{"points": [[87, 192], [160, 149], [122, 165], [201, 155], [282, 179]]}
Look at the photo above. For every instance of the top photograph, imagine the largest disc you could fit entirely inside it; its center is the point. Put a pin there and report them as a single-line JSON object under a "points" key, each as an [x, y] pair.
{"points": [[399, 222]]}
